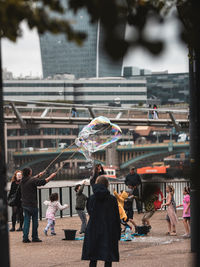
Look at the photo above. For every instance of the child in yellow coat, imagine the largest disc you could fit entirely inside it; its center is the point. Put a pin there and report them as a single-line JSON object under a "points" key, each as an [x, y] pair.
{"points": [[120, 200]]}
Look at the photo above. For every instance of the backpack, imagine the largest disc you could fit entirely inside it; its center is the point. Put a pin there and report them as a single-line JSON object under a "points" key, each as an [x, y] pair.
{"points": [[159, 201]]}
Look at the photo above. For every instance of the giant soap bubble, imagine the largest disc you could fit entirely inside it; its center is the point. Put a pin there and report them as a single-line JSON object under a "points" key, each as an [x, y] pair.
{"points": [[97, 135]]}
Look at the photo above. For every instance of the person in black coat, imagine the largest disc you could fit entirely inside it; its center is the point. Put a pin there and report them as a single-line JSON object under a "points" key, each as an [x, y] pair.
{"points": [[103, 230], [15, 195], [98, 171], [133, 180]]}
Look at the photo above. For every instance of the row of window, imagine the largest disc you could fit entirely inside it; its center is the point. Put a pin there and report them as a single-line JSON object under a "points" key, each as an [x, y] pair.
{"points": [[74, 85], [46, 131], [71, 93]]}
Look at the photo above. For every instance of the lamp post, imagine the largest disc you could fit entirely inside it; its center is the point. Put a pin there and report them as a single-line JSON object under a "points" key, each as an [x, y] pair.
{"points": [[4, 243]]}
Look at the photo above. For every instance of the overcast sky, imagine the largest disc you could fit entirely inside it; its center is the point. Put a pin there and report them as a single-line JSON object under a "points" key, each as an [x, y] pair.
{"points": [[23, 57]]}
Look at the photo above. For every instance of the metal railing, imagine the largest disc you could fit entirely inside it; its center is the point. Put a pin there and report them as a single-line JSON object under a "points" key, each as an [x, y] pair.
{"points": [[67, 194]]}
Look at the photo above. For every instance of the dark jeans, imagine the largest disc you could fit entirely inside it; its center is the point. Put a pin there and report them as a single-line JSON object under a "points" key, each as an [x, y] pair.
{"points": [[28, 213], [106, 264], [138, 203], [17, 212]]}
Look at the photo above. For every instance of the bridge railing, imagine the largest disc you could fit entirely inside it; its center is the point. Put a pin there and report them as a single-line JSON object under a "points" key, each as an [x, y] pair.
{"points": [[67, 195]]}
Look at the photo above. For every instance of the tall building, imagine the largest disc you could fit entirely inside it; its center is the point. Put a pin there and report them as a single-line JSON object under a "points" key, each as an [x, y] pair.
{"points": [[60, 56]]}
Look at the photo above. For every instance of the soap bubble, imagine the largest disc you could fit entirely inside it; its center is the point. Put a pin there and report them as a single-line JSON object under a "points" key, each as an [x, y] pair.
{"points": [[97, 135]]}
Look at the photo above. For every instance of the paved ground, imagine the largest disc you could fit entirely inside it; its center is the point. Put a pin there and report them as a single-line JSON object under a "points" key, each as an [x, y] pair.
{"points": [[154, 250]]}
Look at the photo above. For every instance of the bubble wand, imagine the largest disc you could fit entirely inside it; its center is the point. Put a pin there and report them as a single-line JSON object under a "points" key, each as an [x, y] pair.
{"points": [[58, 156]]}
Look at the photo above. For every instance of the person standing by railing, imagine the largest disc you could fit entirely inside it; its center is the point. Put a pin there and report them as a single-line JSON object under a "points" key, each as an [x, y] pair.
{"points": [[29, 202], [133, 181], [98, 171], [80, 205], [14, 200]]}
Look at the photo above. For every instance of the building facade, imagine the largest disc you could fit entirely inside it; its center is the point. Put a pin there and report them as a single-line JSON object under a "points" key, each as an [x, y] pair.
{"points": [[169, 88], [102, 91], [60, 56]]}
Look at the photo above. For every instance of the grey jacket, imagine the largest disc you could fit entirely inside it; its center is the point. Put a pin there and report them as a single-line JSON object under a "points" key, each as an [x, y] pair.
{"points": [[80, 199]]}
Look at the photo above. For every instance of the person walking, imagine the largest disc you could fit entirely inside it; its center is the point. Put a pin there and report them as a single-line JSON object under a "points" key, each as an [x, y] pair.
{"points": [[80, 205], [103, 230], [14, 200], [29, 202], [133, 181]]}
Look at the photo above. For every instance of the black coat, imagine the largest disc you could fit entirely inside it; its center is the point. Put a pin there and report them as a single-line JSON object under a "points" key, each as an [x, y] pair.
{"points": [[15, 189], [103, 230], [133, 179]]}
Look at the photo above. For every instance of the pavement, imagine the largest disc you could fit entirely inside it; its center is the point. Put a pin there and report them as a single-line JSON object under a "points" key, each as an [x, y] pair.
{"points": [[155, 249]]}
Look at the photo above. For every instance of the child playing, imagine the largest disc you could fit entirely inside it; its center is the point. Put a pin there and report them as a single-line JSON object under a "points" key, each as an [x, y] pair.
{"points": [[80, 205], [149, 208], [53, 206], [186, 211], [128, 207], [120, 200], [171, 212]]}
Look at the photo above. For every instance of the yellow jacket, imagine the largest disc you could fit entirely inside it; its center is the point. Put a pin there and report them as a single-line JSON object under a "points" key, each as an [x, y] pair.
{"points": [[120, 200]]}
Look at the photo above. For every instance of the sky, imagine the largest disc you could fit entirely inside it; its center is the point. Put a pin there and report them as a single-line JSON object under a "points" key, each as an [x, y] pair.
{"points": [[23, 57]]}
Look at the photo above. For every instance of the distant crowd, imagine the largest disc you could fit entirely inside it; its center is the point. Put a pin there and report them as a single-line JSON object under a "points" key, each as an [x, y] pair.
{"points": [[110, 213]]}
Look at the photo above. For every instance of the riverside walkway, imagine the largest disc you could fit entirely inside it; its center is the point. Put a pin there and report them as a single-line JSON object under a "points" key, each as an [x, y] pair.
{"points": [[156, 249]]}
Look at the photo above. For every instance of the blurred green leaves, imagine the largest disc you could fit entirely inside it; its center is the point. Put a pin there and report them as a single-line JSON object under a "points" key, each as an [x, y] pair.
{"points": [[113, 14]]}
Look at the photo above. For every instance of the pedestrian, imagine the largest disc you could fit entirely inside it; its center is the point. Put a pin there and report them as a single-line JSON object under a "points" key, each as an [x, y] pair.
{"points": [[80, 205], [53, 206], [155, 112], [14, 200], [133, 181], [74, 112], [150, 114], [29, 202], [186, 211], [98, 171], [171, 217], [103, 229]]}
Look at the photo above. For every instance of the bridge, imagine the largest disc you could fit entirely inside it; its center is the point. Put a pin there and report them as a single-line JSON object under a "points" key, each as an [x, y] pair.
{"points": [[36, 113], [126, 155]]}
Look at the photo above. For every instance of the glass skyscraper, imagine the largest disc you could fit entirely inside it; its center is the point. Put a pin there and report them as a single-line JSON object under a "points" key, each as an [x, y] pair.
{"points": [[60, 56]]}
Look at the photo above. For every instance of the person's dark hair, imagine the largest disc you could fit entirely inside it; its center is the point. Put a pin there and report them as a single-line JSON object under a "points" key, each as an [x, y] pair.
{"points": [[187, 189], [132, 169], [53, 197], [76, 187], [97, 166], [102, 180], [26, 172]]}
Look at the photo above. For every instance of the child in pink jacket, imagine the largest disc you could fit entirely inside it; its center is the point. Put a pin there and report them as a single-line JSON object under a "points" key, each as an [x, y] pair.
{"points": [[53, 206], [186, 211]]}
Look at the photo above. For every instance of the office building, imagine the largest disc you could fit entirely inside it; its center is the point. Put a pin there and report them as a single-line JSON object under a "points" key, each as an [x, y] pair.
{"points": [[102, 91], [169, 88], [60, 56]]}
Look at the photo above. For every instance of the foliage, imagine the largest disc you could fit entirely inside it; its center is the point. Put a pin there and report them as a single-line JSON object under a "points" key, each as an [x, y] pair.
{"points": [[113, 14], [36, 14]]}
